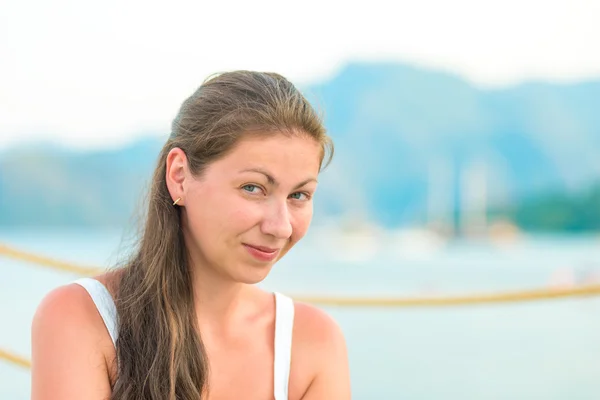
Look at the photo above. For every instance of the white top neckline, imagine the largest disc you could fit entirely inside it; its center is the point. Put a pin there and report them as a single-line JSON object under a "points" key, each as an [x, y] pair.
{"points": [[284, 324]]}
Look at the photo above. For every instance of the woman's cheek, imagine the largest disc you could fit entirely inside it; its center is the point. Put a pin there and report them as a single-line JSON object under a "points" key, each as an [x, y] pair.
{"points": [[246, 212], [301, 222]]}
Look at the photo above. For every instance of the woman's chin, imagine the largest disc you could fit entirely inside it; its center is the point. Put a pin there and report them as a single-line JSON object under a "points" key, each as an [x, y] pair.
{"points": [[252, 274]]}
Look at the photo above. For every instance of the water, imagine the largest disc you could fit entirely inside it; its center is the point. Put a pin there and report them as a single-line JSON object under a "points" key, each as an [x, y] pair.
{"points": [[545, 350]]}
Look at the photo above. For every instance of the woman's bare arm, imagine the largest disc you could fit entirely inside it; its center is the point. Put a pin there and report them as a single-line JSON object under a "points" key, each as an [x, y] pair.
{"points": [[328, 347], [68, 344]]}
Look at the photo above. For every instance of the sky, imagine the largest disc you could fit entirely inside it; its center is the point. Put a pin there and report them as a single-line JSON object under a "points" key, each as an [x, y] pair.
{"points": [[89, 74]]}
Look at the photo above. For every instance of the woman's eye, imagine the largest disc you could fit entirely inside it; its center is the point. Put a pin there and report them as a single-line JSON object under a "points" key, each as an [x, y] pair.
{"points": [[251, 188], [298, 196]]}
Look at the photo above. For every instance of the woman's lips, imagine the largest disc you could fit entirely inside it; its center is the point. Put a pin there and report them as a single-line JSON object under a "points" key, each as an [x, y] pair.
{"points": [[262, 253]]}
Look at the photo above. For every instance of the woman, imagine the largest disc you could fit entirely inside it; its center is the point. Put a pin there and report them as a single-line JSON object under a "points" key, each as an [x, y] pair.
{"points": [[231, 194]]}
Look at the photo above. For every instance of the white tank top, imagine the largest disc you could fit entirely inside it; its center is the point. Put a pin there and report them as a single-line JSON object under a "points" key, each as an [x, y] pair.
{"points": [[284, 322]]}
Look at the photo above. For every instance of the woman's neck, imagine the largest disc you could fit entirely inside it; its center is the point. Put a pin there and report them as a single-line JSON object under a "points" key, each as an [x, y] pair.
{"points": [[215, 296]]}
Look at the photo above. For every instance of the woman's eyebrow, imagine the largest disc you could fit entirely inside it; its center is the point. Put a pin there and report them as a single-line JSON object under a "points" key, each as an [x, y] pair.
{"points": [[305, 182], [272, 181], [270, 178]]}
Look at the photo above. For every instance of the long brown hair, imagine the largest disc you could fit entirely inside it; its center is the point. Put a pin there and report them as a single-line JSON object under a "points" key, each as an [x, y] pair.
{"points": [[159, 350]]}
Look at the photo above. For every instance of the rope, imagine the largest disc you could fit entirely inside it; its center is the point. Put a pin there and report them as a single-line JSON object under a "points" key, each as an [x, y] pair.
{"points": [[499, 297], [510, 296], [525, 295], [14, 359], [47, 262], [483, 298]]}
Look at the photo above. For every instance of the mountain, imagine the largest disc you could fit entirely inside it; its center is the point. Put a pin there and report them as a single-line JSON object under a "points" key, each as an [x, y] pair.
{"points": [[393, 126], [58, 187], [391, 122]]}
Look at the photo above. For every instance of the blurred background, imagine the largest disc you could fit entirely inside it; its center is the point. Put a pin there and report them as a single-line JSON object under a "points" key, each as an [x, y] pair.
{"points": [[467, 161]]}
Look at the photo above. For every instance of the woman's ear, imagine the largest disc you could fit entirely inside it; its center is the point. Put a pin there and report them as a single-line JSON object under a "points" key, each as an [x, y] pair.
{"points": [[176, 174]]}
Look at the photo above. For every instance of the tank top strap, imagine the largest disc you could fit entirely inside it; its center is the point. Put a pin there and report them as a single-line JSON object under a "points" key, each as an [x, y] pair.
{"points": [[104, 303], [284, 324]]}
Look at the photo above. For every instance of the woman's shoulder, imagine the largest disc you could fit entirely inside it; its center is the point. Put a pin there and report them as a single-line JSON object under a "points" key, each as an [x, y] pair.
{"points": [[69, 310], [70, 346], [315, 326], [69, 307], [315, 332], [64, 304], [319, 346], [311, 324]]}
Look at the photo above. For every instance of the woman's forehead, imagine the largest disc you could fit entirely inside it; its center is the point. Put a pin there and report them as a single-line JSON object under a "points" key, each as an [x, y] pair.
{"points": [[280, 155]]}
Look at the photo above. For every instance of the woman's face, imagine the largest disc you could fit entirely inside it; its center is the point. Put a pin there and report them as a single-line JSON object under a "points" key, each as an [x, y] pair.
{"points": [[250, 207]]}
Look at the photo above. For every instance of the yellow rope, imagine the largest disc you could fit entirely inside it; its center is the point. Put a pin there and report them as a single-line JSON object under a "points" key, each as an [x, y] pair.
{"points": [[509, 296], [524, 295], [500, 297], [47, 262], [483, 298], [14, 359]]}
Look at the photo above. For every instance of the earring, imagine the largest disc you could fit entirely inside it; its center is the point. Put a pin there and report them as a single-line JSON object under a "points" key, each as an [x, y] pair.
{"points": [[176, 201]]}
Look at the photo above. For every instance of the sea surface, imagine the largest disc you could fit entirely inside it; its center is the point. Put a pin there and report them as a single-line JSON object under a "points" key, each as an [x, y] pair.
{"points": [[534, 350]]}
